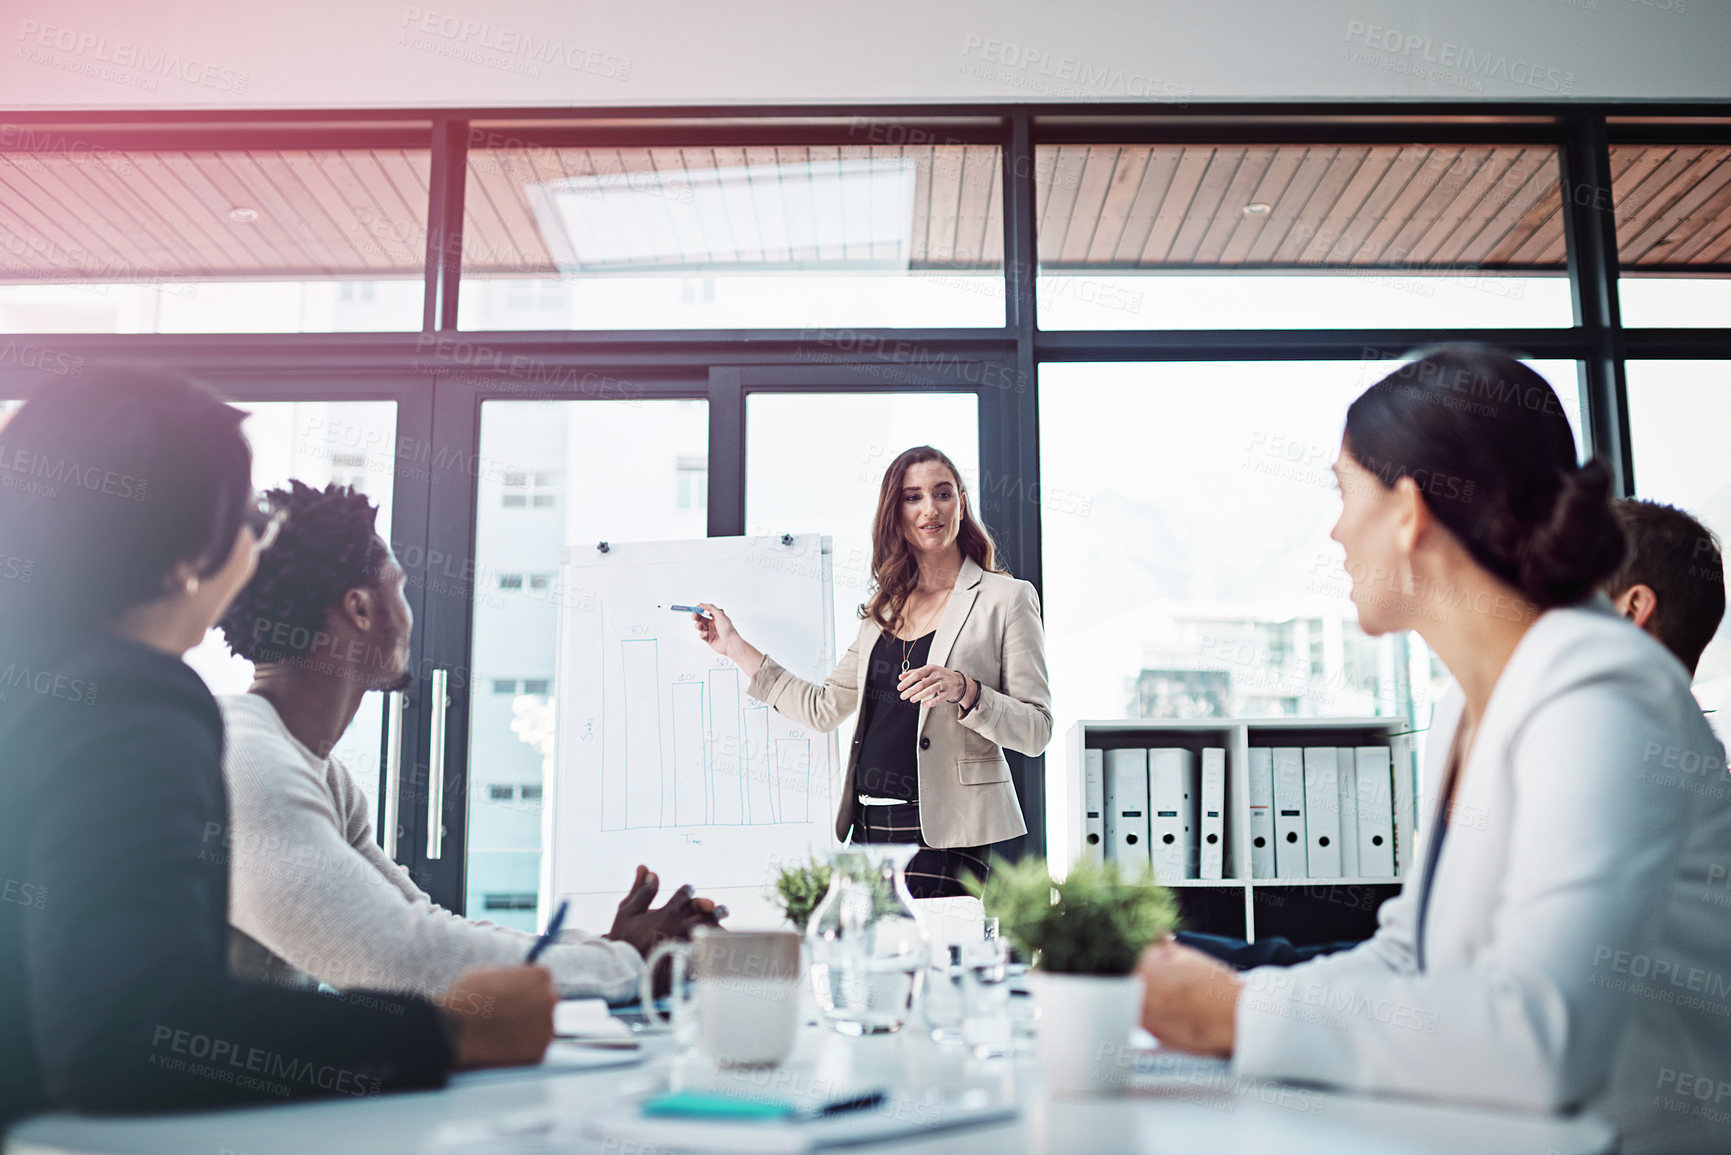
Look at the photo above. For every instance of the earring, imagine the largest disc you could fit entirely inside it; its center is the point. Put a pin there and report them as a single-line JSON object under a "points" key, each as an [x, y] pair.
{"points": [[191, 585]]}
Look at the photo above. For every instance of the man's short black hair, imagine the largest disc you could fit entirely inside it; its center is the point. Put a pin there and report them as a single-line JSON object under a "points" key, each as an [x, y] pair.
{"points": [[326, 547], [1679, 559]]}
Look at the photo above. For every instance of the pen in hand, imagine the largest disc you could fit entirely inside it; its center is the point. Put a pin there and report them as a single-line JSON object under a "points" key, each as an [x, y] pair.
{"points": [[550, 935]]}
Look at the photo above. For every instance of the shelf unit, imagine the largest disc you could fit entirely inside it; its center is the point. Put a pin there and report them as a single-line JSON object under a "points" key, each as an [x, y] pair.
{"points": [[1237, 736]]}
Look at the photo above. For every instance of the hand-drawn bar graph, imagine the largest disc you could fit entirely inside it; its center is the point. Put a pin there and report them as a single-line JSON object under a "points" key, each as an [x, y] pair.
{"points": [[793, 779], [645, 793], [726, 749], [690, 766], [707, 759]]}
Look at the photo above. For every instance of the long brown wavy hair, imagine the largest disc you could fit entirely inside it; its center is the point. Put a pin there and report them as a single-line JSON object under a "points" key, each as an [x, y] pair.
{"points": [[895, 570]]}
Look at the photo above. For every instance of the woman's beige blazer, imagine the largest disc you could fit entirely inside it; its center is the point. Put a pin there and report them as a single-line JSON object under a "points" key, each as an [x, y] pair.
{"points": [[991, 632]]}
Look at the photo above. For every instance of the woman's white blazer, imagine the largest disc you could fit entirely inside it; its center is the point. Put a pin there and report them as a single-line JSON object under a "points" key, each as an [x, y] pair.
{"points": [[1576, 949]]}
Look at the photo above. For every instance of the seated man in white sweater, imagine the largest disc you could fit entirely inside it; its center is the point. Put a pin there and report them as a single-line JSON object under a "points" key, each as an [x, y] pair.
{"points": [[324, 621]]}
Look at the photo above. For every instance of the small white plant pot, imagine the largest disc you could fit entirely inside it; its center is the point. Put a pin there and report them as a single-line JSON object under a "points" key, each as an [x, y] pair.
{"points": [[1084, 1032]]}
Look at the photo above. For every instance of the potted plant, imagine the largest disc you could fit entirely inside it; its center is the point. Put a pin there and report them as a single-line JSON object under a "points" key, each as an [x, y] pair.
{"points": [[799, 888], [1083, 936]]}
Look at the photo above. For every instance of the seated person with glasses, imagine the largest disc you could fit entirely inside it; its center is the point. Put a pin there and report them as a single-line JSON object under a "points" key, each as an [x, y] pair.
{"points": [[324, 620], [128, 496]]}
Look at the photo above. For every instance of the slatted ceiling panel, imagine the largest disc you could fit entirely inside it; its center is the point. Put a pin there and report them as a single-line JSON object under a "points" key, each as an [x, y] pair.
{"points": [[1222, 167], [1302, 172], [1093, 182], [1093, 177], [333, 219], [1696, 230], [863, 200], [1152, 183], [1396, 197], [1362, 182], [945, 213], [25, 215], [205, 238], [1229, 210], [1706, 179], [1449, 200], [118, 212], [766, 181], [992, 251], [1343, 168], [1536, 206], [1443, 216], [1128, 165], [673, 170], [1526, 177], [980, 184], [1276, 178], [926, 171], [1192, 165], [1681, 200], [108, 242], [1638, 201], [1066, 184], [801, 207]]}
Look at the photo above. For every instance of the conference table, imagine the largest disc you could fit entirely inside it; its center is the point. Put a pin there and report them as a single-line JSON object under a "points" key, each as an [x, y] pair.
{"points": [[1170, 1104]]}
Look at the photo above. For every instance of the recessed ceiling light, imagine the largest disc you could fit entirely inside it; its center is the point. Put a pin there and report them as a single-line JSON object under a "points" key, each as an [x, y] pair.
{"points": [[244, 216], [1255, 209]]}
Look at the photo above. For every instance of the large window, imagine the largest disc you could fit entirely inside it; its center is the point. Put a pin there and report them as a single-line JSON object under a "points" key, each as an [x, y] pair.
{"points": [[1299, 236], [1188, 567], [723, 238], [1210, 287]]}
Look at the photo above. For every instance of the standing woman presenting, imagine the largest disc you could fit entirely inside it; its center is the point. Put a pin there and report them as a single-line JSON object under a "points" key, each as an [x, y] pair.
{"points": [[948, 671]]}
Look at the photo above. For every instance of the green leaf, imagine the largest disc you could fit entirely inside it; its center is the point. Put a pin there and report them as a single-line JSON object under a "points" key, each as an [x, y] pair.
{"points": [[1097, 921]]}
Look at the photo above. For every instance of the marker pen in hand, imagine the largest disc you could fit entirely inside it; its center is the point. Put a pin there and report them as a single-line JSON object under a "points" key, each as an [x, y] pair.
{"points": [[698, 610]]}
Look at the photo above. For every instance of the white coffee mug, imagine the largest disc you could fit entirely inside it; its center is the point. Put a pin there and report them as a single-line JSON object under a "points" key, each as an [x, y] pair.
{"points": [[745, 992]]}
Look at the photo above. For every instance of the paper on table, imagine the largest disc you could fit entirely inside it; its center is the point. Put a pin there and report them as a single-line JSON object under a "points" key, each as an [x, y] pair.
{"points": [[564, 1056], [588, 1019]]}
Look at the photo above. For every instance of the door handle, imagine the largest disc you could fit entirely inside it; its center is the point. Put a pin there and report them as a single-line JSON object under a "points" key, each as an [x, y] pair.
{"points": [[436, 765], [392, 803]]}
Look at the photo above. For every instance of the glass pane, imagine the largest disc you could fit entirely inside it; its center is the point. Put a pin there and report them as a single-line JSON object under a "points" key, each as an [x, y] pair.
{"points": [[798, 483], [1675, 302], [1299, 236], [553, 474], [707, 238], [1188, 567], [348, 442], [210, 241], [1678, 414]]}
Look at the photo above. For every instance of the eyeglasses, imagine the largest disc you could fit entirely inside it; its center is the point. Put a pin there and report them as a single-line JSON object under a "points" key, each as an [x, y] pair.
{"points": [[264, 517]]}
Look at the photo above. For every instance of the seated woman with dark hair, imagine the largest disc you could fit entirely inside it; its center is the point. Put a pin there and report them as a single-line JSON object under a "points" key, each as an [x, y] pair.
{"points": [[1564, 948], [131, 502]]}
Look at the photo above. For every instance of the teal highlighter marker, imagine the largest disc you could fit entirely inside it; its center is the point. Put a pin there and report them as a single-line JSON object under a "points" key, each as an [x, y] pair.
{"points": [[712, 1105]]}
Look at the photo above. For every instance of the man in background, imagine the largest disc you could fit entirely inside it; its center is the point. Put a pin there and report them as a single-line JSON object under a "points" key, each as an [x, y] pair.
{"points": [[1673, 582]]}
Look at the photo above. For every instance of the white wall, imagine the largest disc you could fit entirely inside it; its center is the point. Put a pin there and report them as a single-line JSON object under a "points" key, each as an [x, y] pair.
{"points": [[383, 53]]}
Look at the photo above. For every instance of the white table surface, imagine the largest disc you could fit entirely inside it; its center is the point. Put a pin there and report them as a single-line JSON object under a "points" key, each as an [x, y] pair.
{"points": [[1197, 1107]]}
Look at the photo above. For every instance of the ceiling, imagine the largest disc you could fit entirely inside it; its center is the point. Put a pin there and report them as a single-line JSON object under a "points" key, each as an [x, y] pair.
{"points": [[116, 215]]}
